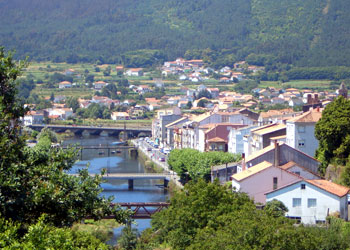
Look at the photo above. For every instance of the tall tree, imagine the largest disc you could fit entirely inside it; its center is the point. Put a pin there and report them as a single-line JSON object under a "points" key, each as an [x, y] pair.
{"points": [[333, 132], [35, 181]]}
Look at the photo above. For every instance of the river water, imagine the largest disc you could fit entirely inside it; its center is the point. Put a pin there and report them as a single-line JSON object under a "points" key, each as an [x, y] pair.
{"points": [[120, 162]]}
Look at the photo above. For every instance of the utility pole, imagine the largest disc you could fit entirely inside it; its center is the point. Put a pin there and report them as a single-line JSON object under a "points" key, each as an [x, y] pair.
{"points": [[125, 135]]}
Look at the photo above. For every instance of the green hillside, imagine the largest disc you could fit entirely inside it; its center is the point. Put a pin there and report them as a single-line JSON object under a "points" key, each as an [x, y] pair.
{"points": [[146, 32]]}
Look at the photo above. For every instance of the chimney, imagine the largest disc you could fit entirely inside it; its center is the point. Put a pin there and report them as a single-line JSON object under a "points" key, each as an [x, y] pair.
{"points": [[276, 154], [243, 162], [309, 99]]}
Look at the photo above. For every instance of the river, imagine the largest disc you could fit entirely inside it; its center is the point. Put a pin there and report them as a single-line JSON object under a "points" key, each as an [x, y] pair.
{"points": [[144, 190]]}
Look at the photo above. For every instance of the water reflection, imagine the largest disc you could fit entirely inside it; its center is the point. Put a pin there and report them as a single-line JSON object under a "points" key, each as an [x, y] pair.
{"points": [[144, 190]]}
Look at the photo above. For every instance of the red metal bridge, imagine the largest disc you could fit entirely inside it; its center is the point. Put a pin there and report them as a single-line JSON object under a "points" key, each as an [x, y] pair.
{"points": [[141, 210]]}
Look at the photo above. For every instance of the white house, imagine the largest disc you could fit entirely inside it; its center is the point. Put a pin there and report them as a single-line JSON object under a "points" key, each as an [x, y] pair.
{"points": [[134, 72], [120, 116], [301, 132], [295, 102], [61, 113], [311, 201], [100, 84], [142, 89], [33, 117], [64, 85], [183, 78], [235, 139]]}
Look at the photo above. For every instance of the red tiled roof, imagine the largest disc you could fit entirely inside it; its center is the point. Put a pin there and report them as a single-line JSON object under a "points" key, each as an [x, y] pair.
{"points": [[216, 139], [330, 187], [310, 116]]}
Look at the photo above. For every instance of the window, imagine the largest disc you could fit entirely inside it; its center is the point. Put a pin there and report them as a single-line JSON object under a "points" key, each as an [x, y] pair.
{"points": [[275, 180], [225, 118], [302, 186], [301, 143], [296, 202], [301, 129], [311, 202], [297, 172]]}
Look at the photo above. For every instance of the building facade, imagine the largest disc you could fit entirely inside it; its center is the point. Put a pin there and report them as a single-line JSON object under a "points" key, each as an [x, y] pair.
{"points": [[311, 201]]}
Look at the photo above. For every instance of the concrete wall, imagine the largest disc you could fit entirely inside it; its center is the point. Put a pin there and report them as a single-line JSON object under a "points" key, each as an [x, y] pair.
{"points": [[286, 155], [325, 202], [303, 173], [225, 172]]}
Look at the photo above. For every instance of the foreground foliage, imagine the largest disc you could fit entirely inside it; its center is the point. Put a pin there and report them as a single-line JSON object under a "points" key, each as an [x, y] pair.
{"points": [[196, 165], [44, 236], [209, 216], [34, 181], [333, 133]]}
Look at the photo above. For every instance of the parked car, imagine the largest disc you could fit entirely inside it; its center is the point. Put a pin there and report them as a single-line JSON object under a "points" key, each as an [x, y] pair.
{"points": [[162, 159], [149, 149]]}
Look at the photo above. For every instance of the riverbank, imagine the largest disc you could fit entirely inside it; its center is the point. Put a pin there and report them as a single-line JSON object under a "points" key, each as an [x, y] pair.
{"points": [[143, 150]]}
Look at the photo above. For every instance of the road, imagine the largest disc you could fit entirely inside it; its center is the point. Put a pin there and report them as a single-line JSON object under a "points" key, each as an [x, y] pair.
{"points": [[154, 154]]}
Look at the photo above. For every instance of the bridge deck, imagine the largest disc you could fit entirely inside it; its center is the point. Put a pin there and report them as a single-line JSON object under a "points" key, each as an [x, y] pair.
{"points": [[141, 129], [134, 176], [100, 147], [141, 210]]}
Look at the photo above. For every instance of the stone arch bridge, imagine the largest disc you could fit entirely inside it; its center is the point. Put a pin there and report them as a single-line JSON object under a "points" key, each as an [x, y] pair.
{"points": [[92, 130]]}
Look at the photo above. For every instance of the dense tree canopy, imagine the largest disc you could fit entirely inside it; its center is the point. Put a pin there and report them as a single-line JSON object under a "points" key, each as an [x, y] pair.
{"points": [[190, 163], [145, 33], [209, 216], [333, 132], [42, 235]]}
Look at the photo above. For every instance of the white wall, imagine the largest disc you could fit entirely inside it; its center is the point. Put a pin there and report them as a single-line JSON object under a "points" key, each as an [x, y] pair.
{"points": [[325, 201], [201, 140], [290, 134], [236, 139], [240, 119], [302, 132]]}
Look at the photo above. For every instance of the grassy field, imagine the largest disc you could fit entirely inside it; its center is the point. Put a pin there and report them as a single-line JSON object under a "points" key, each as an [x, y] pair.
{"points": [[102, 229], [298, 84], [74, 92], [43, 70]]}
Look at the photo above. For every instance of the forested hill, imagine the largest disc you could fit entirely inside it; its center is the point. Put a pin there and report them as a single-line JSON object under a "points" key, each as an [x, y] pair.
{"points": [[143, 32]]}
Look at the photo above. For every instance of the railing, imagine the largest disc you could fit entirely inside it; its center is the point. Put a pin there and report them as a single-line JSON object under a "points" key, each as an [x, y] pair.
{"points": [[146, 129], [141, 210], [99, 147]]}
